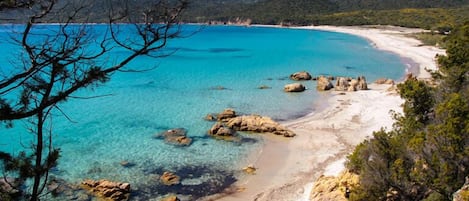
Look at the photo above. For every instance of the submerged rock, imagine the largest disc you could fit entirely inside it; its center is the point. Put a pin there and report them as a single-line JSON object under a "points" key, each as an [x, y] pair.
{"points": [[169, 179], [115, 191], [218, 88], [303, 75], [264, 87], [295, 87], [10, 186], [250, 169], [324, 84], [210, 117], [177, 136]]}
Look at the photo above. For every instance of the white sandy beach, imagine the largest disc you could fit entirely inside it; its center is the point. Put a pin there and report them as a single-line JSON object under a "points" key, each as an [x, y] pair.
{"points": [[287, 168]]}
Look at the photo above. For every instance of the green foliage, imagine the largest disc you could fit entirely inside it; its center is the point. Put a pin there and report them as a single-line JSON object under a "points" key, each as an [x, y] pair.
{"points": [[431, 39], [455, 65], [426, 155], [435, 197]]}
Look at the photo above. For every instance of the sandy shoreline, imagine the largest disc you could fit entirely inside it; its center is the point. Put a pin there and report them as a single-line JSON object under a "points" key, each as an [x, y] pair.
{"points": [[287, 168]]}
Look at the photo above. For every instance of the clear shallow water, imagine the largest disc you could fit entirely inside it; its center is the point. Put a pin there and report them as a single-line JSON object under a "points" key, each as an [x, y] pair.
{"points": [[178, 93]]}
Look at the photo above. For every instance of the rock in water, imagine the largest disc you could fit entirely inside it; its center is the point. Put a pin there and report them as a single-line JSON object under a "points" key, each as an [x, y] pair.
{"points": [[303, 75], [107, 189], [324, 84], [220, 130], [177, 136], [226, 114], [169, 179], [295, 87], [258, 124]]}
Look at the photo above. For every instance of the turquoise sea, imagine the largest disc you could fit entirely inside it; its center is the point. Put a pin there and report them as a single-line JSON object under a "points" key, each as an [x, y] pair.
{"points": [[180, 91]]}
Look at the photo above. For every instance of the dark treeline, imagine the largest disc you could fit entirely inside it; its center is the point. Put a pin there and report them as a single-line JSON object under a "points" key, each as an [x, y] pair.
{"points": [[429, 14], [416, 13]]}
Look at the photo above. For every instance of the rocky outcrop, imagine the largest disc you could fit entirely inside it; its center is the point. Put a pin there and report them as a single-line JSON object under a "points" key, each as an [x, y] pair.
{"points": [[226, 114], [295, 87], [258, 124], [324, 84], [169, 179], [220, 130], [177, 136], [303, 75], [362, 85], [334, 188], [105, 189], [252, 123], [384, 81], [341, 84], [463, 193], [349, 84]]}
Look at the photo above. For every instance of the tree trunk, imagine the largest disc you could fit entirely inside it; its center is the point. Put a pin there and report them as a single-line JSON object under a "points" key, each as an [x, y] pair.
{"points": [[38, 165]]}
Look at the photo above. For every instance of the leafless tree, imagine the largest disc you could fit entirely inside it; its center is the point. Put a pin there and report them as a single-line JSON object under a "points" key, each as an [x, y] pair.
{"points": [[58, 61]]}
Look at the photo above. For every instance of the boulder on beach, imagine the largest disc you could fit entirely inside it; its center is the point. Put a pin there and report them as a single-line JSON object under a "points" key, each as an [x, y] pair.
{"points": [[324, 84], [258, 124], [334, 188], [295, 87], [169, 179], [303, 75], [177, 136], [384, 81], [342, 84], [107, 189], [362, 83]]}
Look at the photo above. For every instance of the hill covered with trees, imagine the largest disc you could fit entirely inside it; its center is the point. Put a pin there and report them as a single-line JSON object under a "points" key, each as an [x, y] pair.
{"points": [[430, 14], [415, 13]]}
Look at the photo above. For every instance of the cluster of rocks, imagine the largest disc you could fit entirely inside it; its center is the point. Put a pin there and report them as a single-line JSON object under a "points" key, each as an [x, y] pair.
{"points": [[228, 123], [10, 186], [176, 136], [325, 83], [105, 189]]}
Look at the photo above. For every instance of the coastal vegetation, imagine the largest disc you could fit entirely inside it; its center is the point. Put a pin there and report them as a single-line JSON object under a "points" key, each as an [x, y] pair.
{"points": [[426, 154]]}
